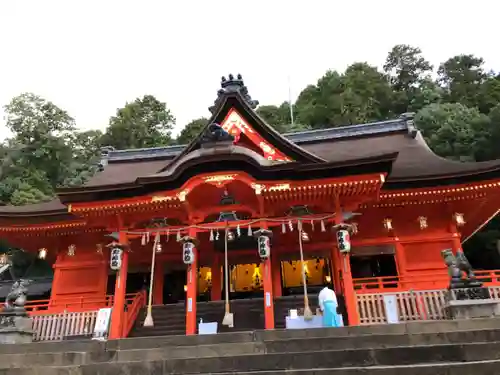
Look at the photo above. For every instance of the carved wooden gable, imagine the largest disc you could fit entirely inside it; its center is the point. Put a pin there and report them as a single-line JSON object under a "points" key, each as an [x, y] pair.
{"points": [[237, 126]]}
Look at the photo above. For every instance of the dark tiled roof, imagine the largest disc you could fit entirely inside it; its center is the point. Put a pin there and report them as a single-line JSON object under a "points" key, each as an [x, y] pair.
{"points": [[415, 159], [51, 206], [299, 138]]}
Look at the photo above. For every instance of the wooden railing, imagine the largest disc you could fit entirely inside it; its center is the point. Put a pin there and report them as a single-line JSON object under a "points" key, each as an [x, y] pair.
{"points": [[53, 326], [73, 304], [133, 311], [411, 305]]}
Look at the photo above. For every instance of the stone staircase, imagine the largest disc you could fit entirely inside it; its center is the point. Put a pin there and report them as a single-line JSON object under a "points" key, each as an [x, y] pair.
{"points": [[248, 315], [439, 348], [171, 319]]}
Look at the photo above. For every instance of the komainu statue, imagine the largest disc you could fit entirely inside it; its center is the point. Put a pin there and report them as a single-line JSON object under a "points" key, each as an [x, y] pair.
{"points": [[459, 270], [16, 298]]}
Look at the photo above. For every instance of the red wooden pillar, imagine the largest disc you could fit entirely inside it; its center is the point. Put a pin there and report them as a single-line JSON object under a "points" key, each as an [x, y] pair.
{"points": [[118, 312], [349, 294], [268, 290], [400, 257], [456, 243], [158, 282], [345, 265], [216, 291], [276, 276], [192, 292], [268, 295], [336, 269]]}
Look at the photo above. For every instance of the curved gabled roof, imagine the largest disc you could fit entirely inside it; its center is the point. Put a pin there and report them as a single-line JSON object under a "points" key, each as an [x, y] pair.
{"points": [[341, 147], [234, 100]]}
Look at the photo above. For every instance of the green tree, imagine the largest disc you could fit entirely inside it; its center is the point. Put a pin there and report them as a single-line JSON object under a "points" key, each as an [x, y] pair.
{"points": [[145, 122], [427, 93], [453, 130], [406, 67], [86, 156], [280, 118], [361, 94], [45, 131], [489, 94], [191, 130], [44, 152], [409, 75], [274, 115], [462, 77]]}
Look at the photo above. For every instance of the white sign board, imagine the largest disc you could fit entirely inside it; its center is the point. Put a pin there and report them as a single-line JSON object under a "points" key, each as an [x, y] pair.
{"points": [[102, 322], [391, 308], [207, 328], [268, 299]]}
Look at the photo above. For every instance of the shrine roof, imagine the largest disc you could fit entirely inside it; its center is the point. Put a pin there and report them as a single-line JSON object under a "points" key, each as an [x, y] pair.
{"points": [[393, 146], [415, 161]]}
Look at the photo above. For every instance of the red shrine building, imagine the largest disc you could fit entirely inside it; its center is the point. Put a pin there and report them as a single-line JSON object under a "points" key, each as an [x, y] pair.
{"points": [[403, 203]]}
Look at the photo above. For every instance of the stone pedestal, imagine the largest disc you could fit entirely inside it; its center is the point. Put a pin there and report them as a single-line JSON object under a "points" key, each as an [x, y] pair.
{"points": [[15, 329], [465, 309], [471, 302]]}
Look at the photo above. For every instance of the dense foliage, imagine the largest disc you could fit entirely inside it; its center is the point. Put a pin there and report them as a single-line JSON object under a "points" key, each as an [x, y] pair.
{"points": [[457, 105]]}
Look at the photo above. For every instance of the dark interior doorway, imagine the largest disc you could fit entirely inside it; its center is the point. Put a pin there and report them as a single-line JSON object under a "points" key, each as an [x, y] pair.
{"points": [[173, 287], [135, 283], [373, 266]]}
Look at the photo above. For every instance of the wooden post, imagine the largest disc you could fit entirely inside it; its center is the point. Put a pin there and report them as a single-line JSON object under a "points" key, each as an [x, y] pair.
{"points": [[345, 265], [118, 312], [276, 276], [349, 294], [216, 291], [456, 243], [191, 294], [268, 295], [336, 267], [400, 257], [159, 280], [268, 290]]}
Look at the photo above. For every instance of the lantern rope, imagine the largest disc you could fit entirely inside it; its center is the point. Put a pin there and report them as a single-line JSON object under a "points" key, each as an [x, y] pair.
{"points": [[249, 223], [148, 321], [308, 315], [228, 317]]}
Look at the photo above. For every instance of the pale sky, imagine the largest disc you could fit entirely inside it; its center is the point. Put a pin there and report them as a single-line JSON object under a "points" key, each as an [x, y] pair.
{"points": [[91, 56]]}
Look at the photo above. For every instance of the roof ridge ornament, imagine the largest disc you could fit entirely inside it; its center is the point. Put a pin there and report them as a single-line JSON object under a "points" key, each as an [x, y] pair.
{"points": [[409, 119], [230, 85], [215, 134]]}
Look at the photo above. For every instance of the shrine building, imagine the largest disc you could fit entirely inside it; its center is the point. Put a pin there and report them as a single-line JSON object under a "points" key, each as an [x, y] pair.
{"points": [[402, 203]]}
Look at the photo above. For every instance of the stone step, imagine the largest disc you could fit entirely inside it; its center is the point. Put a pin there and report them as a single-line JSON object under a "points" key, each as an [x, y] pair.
{"points": [[172, 317], [130, 355], [379, 341], [402, 328], [272, 363], [170, 350], [167, 341], [451, 368], [149, 332], [138, 342]]}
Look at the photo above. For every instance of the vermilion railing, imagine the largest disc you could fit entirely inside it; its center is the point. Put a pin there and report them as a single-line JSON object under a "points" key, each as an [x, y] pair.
{"points": [[138, 302], [53, 321], [74, 304], [423, 281]]}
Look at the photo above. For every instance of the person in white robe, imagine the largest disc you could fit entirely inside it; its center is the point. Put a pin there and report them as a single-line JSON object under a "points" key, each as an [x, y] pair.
{"points": [[328, 305]]}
